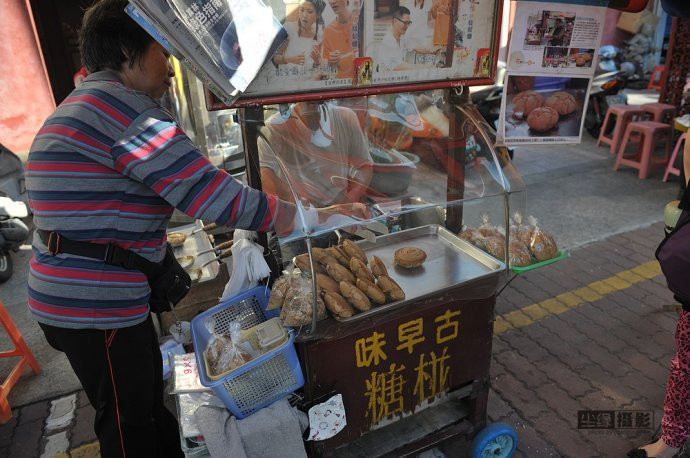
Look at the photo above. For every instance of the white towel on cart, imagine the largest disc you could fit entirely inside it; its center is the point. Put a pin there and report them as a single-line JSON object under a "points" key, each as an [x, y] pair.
{"points": [[275, 431]]}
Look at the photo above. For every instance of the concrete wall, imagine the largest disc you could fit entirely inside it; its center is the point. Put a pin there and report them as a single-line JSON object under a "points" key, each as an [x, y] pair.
{"points": [[613, 35], [25, 97]]}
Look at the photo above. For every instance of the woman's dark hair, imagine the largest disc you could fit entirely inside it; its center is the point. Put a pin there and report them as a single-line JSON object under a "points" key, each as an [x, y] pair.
{"points": [[319, 6], [109, 37]]}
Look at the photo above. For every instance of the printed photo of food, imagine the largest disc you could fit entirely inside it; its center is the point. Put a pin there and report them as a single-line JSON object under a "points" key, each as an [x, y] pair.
{"points": [[544, 106]]}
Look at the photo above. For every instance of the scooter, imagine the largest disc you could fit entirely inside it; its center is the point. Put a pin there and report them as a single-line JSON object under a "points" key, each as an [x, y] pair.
{"points": [[605, 91], [13, 233], [13, 198]]}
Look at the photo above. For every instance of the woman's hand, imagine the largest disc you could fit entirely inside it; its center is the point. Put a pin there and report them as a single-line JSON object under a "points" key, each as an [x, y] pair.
{"points": [[334, 57], [316, 54], [297, 59], [355, 210]]}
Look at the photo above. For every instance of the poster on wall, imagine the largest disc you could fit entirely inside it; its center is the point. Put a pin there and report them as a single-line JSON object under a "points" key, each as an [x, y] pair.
{"points": [[551, 61], [544, 109], [345, 44]]}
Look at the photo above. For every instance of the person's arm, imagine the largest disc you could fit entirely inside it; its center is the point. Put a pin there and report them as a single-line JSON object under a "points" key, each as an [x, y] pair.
{"points": [[272, 184], [360, 161], [155, 151]]}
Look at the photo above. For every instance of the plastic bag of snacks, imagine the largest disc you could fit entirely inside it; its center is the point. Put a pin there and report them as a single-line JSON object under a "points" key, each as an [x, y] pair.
{"points": [[223, 352], [297, 306], [486, 229], [519, 230], [472, 235], [519, 254], [542, 245], [495, 246], [280, 289]]}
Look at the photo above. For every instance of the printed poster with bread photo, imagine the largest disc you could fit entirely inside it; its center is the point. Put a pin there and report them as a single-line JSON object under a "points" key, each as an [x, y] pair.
{"points": [[544, 109], [556, 38]]}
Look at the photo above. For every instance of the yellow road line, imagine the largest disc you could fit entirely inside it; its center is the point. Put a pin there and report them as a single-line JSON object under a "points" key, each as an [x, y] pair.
{"points": [[90, 450], [574, 298]]}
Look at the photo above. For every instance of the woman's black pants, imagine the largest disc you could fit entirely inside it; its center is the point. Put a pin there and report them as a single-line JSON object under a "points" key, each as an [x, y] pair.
{"points": [[121, 371]]}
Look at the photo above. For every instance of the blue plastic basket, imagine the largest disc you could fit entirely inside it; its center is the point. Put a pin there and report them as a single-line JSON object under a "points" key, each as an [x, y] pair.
{"points": [[260, 382]]}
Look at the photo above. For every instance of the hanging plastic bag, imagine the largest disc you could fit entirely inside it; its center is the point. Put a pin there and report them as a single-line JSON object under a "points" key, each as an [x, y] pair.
{"points": [[248, 264]]}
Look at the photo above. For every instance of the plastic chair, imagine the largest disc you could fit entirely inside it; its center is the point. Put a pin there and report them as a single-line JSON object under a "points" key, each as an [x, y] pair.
{"points": [[623, 115], [26, 359], [651, 134], [659, 112], [670, 167], [653, 83]]}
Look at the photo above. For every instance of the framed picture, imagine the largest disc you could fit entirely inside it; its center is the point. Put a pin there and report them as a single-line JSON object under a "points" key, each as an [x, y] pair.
{"points": [[340, 48]]}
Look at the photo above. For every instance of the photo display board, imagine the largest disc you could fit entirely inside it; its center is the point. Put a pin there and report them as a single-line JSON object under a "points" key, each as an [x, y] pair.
{"points": [[551, 62], [348, 46]]}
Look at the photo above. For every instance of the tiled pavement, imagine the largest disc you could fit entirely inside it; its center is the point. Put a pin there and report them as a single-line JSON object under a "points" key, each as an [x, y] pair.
{"points": [[592, 332]]}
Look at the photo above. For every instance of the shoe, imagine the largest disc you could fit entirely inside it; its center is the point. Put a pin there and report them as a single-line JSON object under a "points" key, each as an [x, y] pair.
{"points": [[637, 453]]}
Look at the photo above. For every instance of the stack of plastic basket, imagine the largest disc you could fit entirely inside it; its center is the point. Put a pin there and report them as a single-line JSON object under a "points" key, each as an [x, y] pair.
{"points": [[263, 380]]}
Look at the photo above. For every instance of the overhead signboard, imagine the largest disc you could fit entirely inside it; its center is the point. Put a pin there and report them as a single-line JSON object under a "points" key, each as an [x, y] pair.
{"points": [[340, 47]]}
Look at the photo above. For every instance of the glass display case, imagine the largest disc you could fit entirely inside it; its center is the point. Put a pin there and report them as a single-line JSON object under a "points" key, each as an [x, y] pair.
{"points": [[399, 197], [216, 133]]}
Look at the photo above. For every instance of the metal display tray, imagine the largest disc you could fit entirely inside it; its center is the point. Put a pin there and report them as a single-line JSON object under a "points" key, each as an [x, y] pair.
{"points": [[450, 261], [195, 244]]}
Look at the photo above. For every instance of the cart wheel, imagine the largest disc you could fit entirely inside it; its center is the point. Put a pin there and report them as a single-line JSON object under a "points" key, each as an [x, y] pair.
{"points": [[496, 441]]}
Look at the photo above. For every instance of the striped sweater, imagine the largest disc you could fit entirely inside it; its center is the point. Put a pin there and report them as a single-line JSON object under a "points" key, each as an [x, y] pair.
{"points": [[110, 166]]}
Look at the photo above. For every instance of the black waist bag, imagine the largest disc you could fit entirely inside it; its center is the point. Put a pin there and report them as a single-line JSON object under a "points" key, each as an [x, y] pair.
{"points": [[170, 285], [168, 280], [673, 254]]}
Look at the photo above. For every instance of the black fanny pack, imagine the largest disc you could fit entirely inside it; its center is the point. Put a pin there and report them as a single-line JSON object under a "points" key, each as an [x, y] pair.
{"points": [[168, 280]]}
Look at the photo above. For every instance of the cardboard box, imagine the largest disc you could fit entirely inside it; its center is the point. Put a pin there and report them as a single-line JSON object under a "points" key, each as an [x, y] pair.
{"points": [[632, 22]]}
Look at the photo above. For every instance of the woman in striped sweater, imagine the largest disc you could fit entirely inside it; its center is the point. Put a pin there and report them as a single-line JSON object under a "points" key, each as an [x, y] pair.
{"points": [[109, 166]]}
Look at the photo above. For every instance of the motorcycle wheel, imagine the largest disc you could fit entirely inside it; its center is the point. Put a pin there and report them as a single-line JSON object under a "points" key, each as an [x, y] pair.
{"points": [[6, 267], [592, 124]]}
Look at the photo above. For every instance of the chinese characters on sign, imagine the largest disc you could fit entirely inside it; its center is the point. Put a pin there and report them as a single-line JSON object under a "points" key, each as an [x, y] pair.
{"points": [[615, 419], [389, 381]]}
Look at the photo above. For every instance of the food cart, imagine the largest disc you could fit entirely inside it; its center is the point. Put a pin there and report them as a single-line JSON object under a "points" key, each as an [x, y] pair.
{"points": [[410, 356], [413, 370]]}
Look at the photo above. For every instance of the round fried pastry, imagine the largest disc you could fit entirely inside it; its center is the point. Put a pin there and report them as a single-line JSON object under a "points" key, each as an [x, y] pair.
{"points": [[378, 268], [355, 296], [337, 305], [526, 101], [354, 251], [561, 101], [360, 269], [372, 291], [340, 273], [542, 119], [409, 257], [392, 290]]}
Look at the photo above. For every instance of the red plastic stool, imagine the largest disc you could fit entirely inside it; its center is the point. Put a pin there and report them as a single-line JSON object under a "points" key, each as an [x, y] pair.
{"points": [[651, 134], [623, 114], [27, 358], [653, 84], [660, 112], [671, 168]]}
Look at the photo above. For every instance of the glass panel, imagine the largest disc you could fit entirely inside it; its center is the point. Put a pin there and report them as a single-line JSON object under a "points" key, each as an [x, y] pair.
{"points": [[392, 154]]}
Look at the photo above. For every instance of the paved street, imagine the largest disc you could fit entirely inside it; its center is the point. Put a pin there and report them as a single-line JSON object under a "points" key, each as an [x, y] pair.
{"points": [[592, 332]]}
